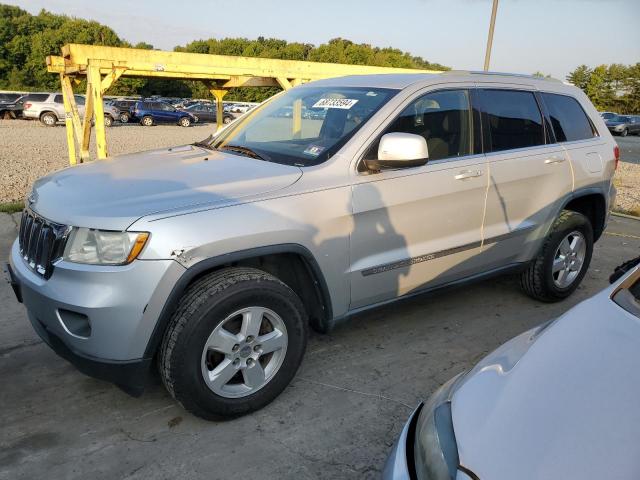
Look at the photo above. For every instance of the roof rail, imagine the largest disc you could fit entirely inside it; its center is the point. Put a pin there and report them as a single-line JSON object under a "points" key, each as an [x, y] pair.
{"points": [[501, 74]]}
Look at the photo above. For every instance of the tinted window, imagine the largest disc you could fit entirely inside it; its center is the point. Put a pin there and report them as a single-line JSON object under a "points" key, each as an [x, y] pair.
{"points": [[568, 120], [443, 119], [79, 99], [58, 99], [514, 119], [36, 97]]}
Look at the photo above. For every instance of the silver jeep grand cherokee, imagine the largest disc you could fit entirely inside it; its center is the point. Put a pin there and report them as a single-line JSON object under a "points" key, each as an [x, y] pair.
{"points": [[211, 260]]}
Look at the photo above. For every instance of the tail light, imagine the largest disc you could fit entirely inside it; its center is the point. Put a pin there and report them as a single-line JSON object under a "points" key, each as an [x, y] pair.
{"points": [[616, 155], [26, 106]]}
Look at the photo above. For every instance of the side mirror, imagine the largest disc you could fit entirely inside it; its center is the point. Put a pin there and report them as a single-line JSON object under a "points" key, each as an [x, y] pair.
{"points": [[400, 150]]}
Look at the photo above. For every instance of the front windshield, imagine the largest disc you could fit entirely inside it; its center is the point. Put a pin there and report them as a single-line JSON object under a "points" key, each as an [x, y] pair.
{"points": [[303, 126]]}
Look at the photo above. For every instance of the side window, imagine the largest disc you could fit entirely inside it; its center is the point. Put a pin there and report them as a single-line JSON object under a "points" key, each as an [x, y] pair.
{"points": [[58, 99], [36, 97], [514, 119], [443, 118], [568, 119], [79, 99]]}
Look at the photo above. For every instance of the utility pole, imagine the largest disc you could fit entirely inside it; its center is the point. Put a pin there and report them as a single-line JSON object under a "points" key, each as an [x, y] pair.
{"points": [[487, 56]]}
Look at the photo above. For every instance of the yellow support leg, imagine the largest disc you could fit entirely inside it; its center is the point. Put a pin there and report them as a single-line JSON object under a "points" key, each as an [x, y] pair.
{"points": [[85, 138], [94, 79], [219, 95], [297, 118], [68, 118]]}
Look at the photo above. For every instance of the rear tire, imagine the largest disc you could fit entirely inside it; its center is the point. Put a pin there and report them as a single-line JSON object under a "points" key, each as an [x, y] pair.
{"points": [[624, 133], [49, 119], [563, 260], [196, 346], [124, 118], [147, 121], [108, 121], [226, 120]]}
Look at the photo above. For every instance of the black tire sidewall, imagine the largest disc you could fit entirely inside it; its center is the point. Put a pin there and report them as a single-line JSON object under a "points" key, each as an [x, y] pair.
{"points": [[190, 387], [575, 222]]}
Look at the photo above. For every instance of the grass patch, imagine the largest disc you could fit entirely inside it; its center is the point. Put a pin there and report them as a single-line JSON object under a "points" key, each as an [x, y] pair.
{"points": [[635, 211], [11, 207]]}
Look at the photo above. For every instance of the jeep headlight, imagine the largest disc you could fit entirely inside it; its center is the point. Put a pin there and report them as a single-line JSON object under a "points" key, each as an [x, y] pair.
{"points": [[435, 447], [104, 247]]}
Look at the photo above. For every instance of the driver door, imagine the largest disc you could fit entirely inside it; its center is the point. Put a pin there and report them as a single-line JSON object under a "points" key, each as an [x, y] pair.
{"points": [[415, 228]]}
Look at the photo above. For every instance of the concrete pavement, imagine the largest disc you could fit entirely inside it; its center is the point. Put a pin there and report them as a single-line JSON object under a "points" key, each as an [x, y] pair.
{"points": [[338, 418]]}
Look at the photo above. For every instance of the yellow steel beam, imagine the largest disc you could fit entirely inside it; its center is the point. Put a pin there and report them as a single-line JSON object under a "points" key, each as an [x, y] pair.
{"points": [[110, 78], [240, 81], [139, 61], [68, 117], [93, 78]]}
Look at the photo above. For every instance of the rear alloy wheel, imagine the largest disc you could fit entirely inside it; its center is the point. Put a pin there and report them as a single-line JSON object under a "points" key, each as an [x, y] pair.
{"points": [[624, 133], [147, 121], [49, 119], [226, 120], [124, 118], [563, 261], [233, 344], [108, 121], [185, 122]]}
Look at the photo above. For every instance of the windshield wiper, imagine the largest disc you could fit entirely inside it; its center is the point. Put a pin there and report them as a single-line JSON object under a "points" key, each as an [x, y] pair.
{"points": [[245, 151], [206, 143]]}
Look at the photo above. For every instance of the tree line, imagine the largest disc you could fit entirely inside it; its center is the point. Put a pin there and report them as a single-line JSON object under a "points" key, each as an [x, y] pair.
{"points": [[25, 41]]}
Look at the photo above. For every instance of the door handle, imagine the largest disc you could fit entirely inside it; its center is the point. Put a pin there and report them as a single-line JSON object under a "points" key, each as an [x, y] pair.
{"points": [[551, 160], [468, 174]]}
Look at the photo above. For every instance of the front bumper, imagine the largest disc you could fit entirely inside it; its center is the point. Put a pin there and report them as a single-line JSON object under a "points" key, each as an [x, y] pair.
{"points": [[98, 318]]}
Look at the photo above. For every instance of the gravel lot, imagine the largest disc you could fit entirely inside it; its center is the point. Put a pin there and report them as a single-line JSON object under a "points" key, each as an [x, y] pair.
{"points": [[30, 150]]}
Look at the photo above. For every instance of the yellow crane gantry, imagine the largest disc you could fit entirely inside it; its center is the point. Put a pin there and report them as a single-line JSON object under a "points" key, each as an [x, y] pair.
{"points": [[103, 66]]}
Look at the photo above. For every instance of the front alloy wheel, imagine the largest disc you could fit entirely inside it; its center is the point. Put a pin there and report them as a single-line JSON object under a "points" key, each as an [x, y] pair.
{"points": [[244, 352], [234, 343]]}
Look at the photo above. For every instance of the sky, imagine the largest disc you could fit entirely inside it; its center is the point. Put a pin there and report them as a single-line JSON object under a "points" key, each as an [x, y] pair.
{"points": [[550, 36]]}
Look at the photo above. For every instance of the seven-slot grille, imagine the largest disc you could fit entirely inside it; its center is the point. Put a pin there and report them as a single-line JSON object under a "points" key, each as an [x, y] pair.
{"points": [[41, 242]]}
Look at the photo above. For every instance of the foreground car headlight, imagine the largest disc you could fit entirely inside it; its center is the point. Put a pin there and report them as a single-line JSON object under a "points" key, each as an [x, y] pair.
{"points": [[103, 247], [435, 447]]}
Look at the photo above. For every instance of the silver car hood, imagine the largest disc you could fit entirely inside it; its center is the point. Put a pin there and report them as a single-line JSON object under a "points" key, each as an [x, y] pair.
{"points": [[564, 405], [113, 193]]}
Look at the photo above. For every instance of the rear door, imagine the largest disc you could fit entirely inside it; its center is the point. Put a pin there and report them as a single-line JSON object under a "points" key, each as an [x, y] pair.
{"points": [[529, 175], [415, 228]]}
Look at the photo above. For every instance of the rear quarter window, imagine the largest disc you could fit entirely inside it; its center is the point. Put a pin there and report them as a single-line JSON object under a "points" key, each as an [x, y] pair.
{"points": [[514, 119], [568, 119], [36, 97]]}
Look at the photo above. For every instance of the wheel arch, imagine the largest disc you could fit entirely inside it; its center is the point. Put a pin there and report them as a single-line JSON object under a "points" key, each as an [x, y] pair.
{"points": [[44, 112], [592, 203], [293, 264]]}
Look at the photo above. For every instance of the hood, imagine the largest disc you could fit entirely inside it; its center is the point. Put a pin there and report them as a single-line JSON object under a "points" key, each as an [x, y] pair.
{"points": [[113, 193], [565, 406]]}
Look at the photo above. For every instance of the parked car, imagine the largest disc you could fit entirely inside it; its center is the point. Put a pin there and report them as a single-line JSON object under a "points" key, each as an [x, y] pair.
{"points": [[48, 107], [207, 113], [558, 401], [214, 258], [111, 113], [624, 125], [608, 115], [11, 105], [124, 107], [149, 113]]}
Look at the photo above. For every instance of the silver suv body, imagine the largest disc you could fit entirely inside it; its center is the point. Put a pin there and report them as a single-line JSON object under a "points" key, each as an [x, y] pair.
{"points": [[212, 258], [49, 108]]}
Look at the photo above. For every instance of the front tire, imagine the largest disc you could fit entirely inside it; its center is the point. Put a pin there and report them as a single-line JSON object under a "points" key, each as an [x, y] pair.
{"points": [[185, 122], [624, 133], [226, 120], [563, 260], [108, 121], [124, 118], [234, 343], [147, 121]]}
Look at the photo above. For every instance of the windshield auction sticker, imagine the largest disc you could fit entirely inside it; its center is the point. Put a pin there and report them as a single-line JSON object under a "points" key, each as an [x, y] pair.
{"points": [[313, 150], [342, 103]]}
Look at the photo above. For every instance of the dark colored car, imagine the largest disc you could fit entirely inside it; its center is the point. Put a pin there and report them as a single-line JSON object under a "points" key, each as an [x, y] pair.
{"points": [[624, 125], [124, 107], [207, 113], [10, 105], [149, 113]]}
